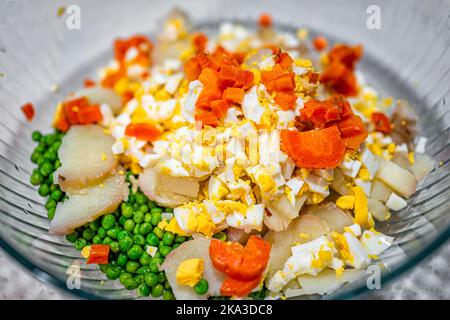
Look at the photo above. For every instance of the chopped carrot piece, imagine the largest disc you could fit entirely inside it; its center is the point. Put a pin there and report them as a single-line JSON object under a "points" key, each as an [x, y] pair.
{"points": [[208, 76], [381, 122], [238, 288], [233, 94], [112, 77], [143, 131], [285, 83], [88, 83], [142, 43], [314, 149], [239, 262], [199, 41], [320, 43], [28, 111], [192, 69], [89, 114], [72, 107], [284, 60], [269, 75], [220, 107], [206, 118], [98, 254], [286, 100], [352, 131], [320, 112], [265, 20]]}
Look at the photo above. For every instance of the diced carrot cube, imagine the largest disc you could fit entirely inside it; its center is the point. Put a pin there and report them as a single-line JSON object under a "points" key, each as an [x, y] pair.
{"points": [[220, 107], [286, 100], [233, 94], [89, 114], [192, 69]]}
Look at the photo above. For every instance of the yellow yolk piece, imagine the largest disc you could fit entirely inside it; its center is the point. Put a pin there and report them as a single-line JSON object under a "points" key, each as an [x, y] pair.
{"points": [[361, 208], [175, 228], [190, 272], [86, 252], [345, 202]]}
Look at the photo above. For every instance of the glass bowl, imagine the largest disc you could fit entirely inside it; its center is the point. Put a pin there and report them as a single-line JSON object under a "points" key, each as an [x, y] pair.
{"points": [[407, 57]]}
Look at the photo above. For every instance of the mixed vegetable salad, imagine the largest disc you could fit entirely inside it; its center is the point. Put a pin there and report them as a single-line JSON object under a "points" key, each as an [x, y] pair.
{"points": [[246, 163]]}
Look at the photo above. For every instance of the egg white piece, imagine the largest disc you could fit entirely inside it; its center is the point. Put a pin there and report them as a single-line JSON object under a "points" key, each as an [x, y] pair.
{"points": [[395, 202], [375, 243]]}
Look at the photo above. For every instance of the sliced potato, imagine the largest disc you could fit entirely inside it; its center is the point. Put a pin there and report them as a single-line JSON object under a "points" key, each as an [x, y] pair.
{"points": [[339, 184], [422, 166], [400, 180], [303, 229], [90, 204], [333, 217], [99, 95], [167, 191], [378, 210], [380, 191], [239, 235], [401, 159], [282, 212], [326, 281], [86, 157], [197, 248]]}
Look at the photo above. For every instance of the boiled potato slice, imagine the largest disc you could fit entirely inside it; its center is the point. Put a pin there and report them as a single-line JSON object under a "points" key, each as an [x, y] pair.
{"points": [[167, 191], [90, 204], [380, 191], [400, 180], [333, 217], [99, 95], [378, 210], [303, 229], [86, 157], [422, 166], [339, 184], [282, 212], [197, 248]]}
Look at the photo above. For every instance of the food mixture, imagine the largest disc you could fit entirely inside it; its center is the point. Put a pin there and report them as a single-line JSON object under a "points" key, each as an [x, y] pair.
{"points": [[246, 163]]}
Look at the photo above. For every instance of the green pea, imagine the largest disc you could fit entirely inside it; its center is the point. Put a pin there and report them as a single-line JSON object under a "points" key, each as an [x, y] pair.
{"points": [[162, 277], [138, 217], [88, 234], [122, 220], [165, 250], [157, 290], [131, 284], [126, 210], [176, 245], [41, 148], [131, 198], [156, 218], [56, 195], [145, 228], [139, 239], [139, 279], [143, 290], [113, 232], [57, 163], [154, 264], [180, 239], [129, 225], [104, 267], [46, 169], [114, 246], [140, 198], [101, 232], [54, 187], [123, 234], [97, 240], [36, 178], [50, 155], [107, 240], [158, 232], [35, 156], [113, 273], [122, 259], [201, 287], [143, 270], [51, 213], [152, 239], [125, 244], [151, 279], [167, 285], [221, 236], [156, 210], [151, 204], [36, 136], [136, 229], [40, 162], [168, 295], [144, 209], [72, 237], [135, 252], [124, 277], [50, 204], [132, 266], [168, 238], [50, 139], [145, 258], [108, 221], [80, 243], [43, 190], [148, 217], [169, 210], [258, 295], [56, 145], [95, 225]]}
